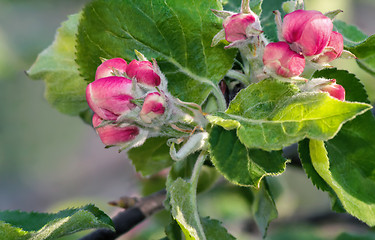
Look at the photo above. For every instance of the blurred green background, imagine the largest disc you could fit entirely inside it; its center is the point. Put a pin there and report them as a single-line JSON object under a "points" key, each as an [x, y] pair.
{"points": [[49, 161]]}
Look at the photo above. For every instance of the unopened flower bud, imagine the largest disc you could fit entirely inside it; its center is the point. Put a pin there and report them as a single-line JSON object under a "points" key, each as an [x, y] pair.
{"points": [[143, 72], [236, 26], [153, 107], [334, 90], [333, 49], [114, 135], [110, 97], [111, 67], [280, 59], [307, 31]]}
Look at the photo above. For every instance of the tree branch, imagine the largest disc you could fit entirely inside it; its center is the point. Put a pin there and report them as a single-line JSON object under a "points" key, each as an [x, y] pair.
{"points": [[127, 219]]}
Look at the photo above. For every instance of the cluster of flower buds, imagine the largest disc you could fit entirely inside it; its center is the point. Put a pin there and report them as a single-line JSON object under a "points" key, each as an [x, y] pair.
{"points": [[306, 33], [239, 29], [126, 100]]}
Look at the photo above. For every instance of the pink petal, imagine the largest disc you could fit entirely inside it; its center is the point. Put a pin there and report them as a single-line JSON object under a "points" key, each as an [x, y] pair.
{"points": [[113, 135], [279, 58], [235, 26], [143, 72], [108, 68], [308, 31], [110, 97]]}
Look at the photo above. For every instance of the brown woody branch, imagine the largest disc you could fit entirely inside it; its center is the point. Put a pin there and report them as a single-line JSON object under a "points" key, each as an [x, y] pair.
{"points": [[129, 218]]}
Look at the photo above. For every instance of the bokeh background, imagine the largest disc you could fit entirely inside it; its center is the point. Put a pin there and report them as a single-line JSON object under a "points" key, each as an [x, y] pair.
{"points": [[49, 161]]}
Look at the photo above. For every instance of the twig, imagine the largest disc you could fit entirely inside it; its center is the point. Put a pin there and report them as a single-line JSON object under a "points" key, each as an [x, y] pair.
{"points": [[126, 220]]}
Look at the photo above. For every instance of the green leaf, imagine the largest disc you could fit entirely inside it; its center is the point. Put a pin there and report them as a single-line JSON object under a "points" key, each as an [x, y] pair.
{"points": [[7, 231], [316, 179], [184, 208], [263, 207], [271, 115], [352, 35], [352, 151], [352, 147], [40, 226], [356, 195], [240, 165], [65, 88], [152, 156], [178, 33], [173, 231], [214, 230], [365, 53]]}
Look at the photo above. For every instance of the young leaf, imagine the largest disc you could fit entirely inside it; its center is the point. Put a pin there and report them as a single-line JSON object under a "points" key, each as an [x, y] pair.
{"points": [[350, 183], [65, 88], [365, 53], [40, 226], [271, 115], [177, 33], [263, 208], [352, 35], [240, 165], [184, 208], [152, 156], [214, 230]]}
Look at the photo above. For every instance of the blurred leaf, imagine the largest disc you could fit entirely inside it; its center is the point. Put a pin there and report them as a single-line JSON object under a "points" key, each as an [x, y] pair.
{"points": [[151, 157], [263, 207], [65, 88], [271, 115], [240, 165], [352, 35], [7, 231], [296, 233], [214, 230], [365, 53], [348, 236], [177, 33], [51, 226]]}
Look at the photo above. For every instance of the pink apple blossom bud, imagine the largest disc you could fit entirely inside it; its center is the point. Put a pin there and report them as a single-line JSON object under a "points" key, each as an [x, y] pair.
{"points": [[143, 72], [235, 26], [110, 97], [334, 90], [111, 67], [307, 31], [114, 135], [280, 59], [153, 107], [333, 49]]}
